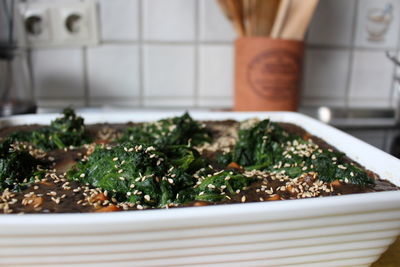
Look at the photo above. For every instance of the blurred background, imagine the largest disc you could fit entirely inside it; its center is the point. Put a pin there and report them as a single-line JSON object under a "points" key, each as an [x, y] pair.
{"points": [[178, 54]]}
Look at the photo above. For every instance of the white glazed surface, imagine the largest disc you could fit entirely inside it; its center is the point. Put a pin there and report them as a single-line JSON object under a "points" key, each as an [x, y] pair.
{"points": [[351, 230]]}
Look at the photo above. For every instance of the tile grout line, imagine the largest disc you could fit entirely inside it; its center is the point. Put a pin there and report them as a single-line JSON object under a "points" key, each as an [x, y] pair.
{"points": [[344, 47], [196, 53], [86, 84], [162, 42], [140, 54], [351, 58], [394, 99]]}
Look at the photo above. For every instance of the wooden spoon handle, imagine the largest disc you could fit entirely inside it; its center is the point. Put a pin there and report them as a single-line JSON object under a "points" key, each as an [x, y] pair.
{"points": [[280, 18], [298, 19]]}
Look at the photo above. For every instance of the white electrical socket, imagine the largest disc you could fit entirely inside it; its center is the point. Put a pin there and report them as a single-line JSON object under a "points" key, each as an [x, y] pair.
{"points": [[36, 23], [76, 23], [69, 23]]}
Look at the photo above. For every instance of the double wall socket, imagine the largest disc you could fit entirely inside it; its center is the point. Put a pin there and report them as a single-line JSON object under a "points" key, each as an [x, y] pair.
{"points": [[49, 23]]}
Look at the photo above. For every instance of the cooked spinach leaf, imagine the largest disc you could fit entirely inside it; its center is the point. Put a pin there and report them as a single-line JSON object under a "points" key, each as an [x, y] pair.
{"points": [[144, 175], [267, 146], [68, 130], [141, 174], [181, 130], [17, 167], [219, 186]]}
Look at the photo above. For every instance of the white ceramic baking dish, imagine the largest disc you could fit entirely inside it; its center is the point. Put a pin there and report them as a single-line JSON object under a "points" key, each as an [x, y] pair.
{"points": [[351, 230]]}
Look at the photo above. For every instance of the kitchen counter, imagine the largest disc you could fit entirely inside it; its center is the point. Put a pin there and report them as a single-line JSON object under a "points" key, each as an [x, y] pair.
{"points": [[391, 258]]}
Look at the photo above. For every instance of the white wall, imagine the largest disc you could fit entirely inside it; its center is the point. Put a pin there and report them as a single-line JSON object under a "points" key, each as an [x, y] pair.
{"points": [[179, 53]]}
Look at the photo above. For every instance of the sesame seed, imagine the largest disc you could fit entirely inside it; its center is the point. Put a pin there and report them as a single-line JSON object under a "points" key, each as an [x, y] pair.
{"points": [[243, 199], [56, 200], [147, 197]]}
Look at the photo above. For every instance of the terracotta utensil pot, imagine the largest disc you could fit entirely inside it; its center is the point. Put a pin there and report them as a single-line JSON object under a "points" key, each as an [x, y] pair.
{"points": [[267, 74]]}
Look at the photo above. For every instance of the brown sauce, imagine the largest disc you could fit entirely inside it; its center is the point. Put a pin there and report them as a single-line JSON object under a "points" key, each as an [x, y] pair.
{"points": [[55, 194]]}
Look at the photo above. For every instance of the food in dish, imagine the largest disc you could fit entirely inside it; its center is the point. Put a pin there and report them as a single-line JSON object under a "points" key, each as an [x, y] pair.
{"points": [[71, 167]]}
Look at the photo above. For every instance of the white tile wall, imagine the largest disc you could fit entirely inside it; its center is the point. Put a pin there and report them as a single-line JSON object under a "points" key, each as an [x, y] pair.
{"points": [[168, 71], [58, 75], [332, 22], [119, 20], [325, 76], [113, 73], [378, 24], [371, 80], [178, 53], [172, 20], [213, 24], [163, 102], [216, 71]]}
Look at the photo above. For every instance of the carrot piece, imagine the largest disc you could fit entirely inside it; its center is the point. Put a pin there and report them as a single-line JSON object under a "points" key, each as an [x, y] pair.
{"points": [[234, 165], [99, 197], [47, 183], [108, 209], [36, 201], [336, 183], [200, 203], [274, 197]]}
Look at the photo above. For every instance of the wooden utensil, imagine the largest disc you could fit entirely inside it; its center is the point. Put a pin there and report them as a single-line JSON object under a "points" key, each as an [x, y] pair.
{"points": [[297, 19], [265, 12], [234, 9], [280, 18]]}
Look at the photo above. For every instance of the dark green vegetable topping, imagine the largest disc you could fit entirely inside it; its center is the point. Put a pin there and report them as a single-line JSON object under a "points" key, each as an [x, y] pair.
{"points": [[266, 146], [17, 168], [157, 164], [222, 185], [63, 132], [181, 130], [139, 173], [143, 175]]}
